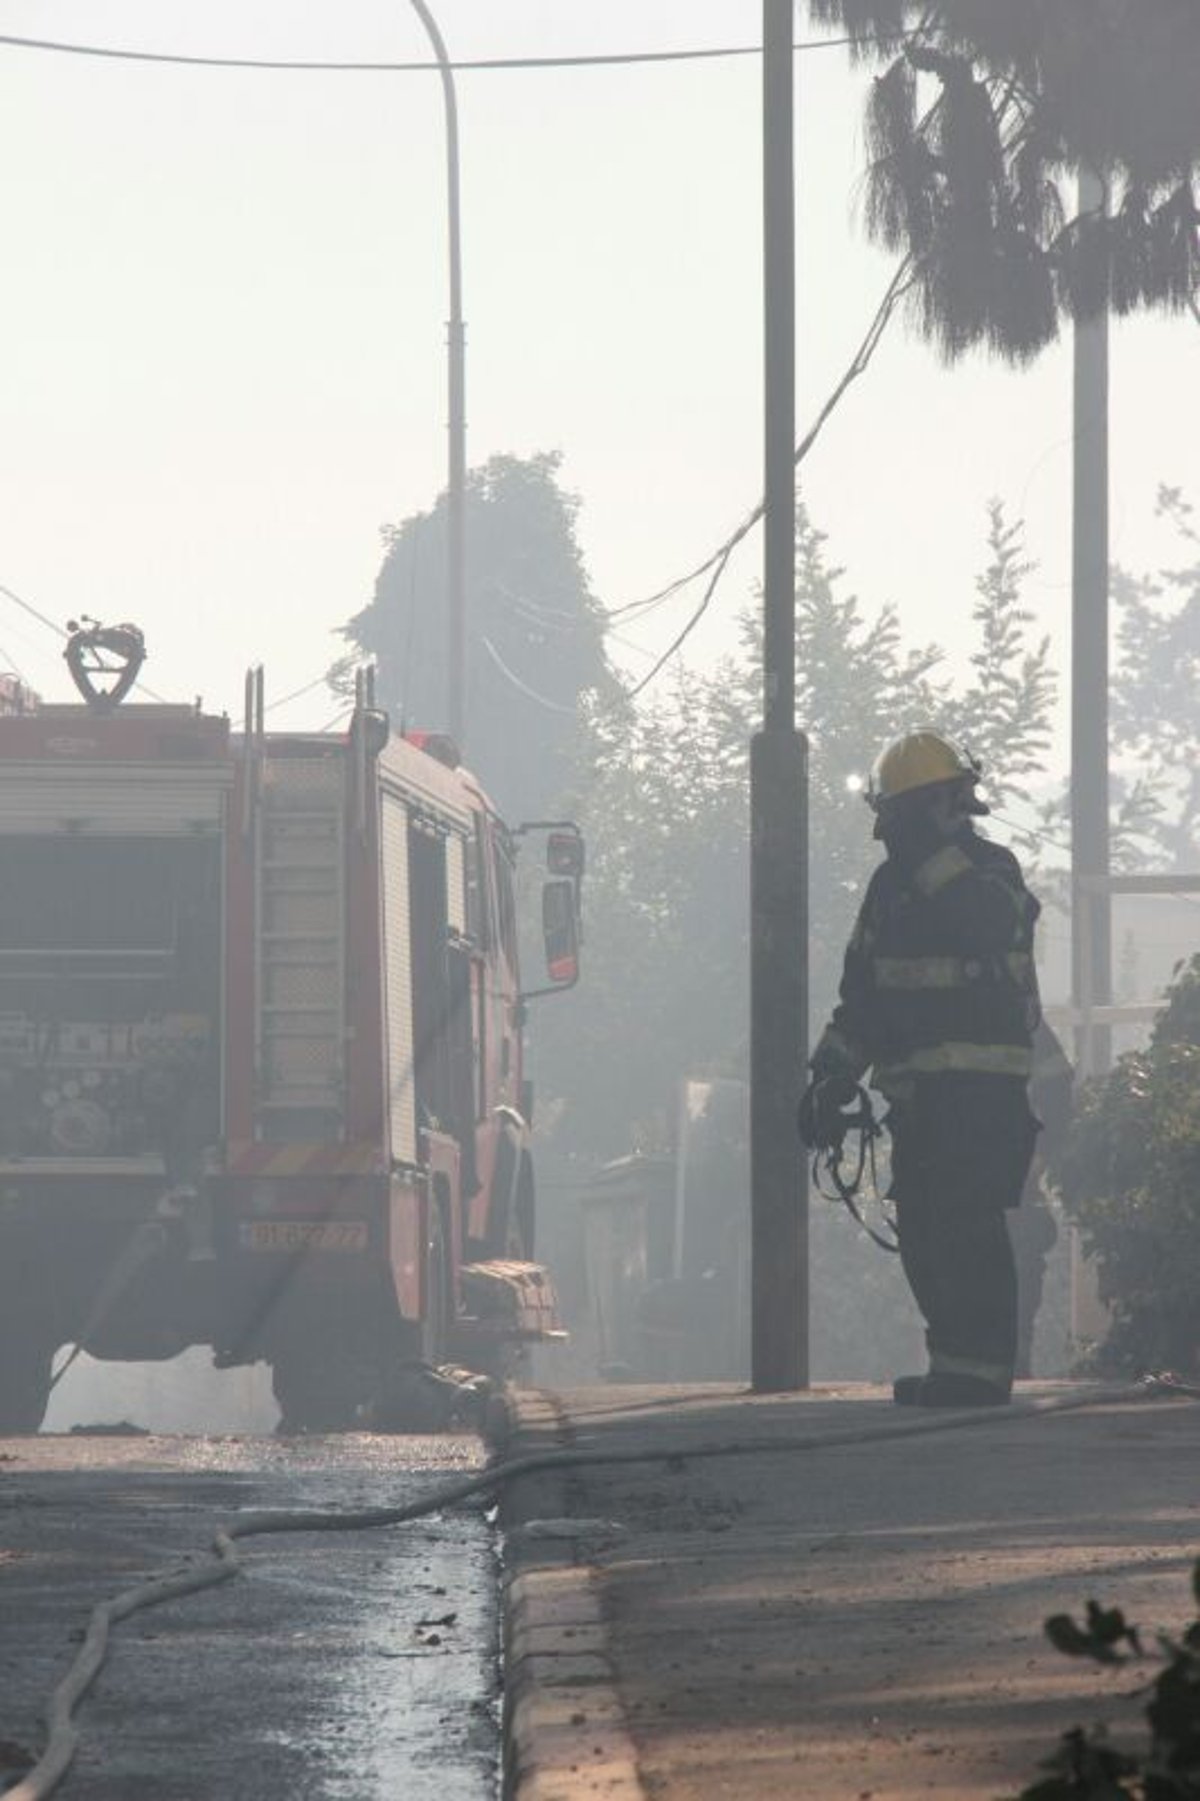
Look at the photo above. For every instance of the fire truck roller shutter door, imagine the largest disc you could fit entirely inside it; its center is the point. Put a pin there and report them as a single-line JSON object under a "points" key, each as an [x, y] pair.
{"points": [[111, 799]]}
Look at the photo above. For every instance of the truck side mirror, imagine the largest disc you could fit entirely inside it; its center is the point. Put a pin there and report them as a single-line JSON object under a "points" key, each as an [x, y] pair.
{"points": [[560, 932]]}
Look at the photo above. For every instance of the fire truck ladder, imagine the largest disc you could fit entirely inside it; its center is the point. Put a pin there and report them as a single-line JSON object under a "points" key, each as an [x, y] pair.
{"points": [[301, 949]]}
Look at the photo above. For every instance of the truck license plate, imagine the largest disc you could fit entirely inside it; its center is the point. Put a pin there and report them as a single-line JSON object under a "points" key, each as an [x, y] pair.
{"points": [[304, 1234]]}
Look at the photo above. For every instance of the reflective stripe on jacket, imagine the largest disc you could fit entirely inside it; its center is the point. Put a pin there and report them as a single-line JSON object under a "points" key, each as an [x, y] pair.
{"points": [[939, 973]]}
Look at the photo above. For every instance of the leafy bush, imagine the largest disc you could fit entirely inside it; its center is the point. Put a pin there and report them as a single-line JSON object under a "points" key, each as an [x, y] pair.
{"points": [[1130, 1177], [1086, 1767]]}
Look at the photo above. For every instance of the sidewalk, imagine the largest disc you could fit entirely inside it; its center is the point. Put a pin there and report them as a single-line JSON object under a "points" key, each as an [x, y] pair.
{"points": [[861, 1620]]}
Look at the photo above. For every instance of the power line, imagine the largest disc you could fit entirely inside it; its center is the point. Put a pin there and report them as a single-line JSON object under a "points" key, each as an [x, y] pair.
{"points": [[537, 614], [630, 644], [27, 607], [602, 59], [717, 563], [14, 666], [1042, 836], [317, 682], [1039, 835], [551, 706], [337, 720]]}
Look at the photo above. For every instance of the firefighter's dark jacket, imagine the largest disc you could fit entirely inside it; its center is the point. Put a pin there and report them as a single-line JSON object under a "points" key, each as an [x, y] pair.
{"points": [[939, 975]]}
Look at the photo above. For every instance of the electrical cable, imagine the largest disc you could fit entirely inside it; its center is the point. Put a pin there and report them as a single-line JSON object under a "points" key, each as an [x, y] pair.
{"points": [[631, 644], [14, 666], [63, 1735], [535, 613], [539, 616], [603, 59], [717, 563], [551, 706], [1063, 844], [334, 722], [1028, 831], [317, 682], [27, 607]]}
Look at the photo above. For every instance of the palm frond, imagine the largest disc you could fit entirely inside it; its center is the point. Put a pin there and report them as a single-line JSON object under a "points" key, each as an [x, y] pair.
{"points": [[875, 27], [891, 113], [979, 191]]}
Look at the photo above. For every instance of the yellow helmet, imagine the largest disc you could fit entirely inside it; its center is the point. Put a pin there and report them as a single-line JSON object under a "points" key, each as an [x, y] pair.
{"points": [[920, 760]]}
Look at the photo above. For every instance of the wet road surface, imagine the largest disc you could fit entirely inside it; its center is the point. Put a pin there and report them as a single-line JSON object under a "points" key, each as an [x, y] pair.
{"points": [[339, 1667]]}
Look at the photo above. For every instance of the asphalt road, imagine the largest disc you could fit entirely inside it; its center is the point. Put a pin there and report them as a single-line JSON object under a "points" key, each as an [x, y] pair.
{"points": [[338, 1668]]}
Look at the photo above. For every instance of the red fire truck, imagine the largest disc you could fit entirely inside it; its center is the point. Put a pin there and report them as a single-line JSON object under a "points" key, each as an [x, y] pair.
{"points": [[261, 1082]]}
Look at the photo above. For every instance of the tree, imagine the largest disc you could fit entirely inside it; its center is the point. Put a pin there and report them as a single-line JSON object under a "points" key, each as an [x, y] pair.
{"points": [[535, 640], [1130, 1177], [662, 795], [981, 115], [1155, 687], [1004, 715]]}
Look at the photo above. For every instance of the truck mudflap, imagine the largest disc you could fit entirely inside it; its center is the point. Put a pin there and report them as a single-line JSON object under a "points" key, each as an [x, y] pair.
{"points": [[508, 1300]]}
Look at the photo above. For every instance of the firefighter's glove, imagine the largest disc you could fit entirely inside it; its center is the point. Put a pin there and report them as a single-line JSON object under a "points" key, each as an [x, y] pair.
{"points": [[820, 1119]]}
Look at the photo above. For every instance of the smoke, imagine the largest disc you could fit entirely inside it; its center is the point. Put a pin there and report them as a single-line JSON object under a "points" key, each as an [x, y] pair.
{"points": [[185, 1394]]}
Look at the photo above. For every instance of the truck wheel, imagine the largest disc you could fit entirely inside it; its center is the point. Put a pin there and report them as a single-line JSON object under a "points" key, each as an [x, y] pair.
{"points": [[25, 1362], [504, 1362], [319, 1387]]}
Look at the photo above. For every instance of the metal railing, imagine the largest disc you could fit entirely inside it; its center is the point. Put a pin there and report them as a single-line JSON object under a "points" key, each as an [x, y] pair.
{"points": [[1091, 1017]]}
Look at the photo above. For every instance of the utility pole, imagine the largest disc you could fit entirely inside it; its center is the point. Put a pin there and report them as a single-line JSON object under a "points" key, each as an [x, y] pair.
{"points": [[456, 485], [778, 795], [1091, 912]]}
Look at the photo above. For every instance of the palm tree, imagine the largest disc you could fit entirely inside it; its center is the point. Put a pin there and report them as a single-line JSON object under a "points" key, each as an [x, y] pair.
{"points": [[976, 125]]}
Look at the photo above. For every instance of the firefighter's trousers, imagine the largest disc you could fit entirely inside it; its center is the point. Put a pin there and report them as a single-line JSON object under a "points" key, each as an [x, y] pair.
{"points": [[961, 1148]]}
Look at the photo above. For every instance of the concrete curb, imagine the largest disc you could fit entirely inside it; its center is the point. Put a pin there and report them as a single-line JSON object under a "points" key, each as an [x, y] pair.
{"points": [[564, 1731]]}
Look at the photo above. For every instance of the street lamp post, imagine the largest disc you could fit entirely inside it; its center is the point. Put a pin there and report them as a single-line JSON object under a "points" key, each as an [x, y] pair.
{"points": [[456, 485]]}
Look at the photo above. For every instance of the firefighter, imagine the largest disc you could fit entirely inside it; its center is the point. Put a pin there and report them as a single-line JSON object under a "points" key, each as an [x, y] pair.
{"points": [[939, 1000]]}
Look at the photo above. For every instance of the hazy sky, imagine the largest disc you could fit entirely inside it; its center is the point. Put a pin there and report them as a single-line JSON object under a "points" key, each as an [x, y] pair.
{"points": [[223, 302]]}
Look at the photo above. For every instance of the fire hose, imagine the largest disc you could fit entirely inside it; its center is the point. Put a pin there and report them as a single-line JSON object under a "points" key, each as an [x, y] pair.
{"points": [[63, 1735], [827, 1168]]}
